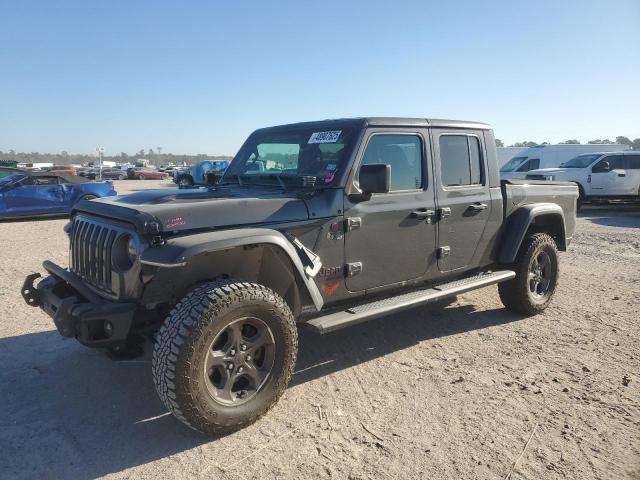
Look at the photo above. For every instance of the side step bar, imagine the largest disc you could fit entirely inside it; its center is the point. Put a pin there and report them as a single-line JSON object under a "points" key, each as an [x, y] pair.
{"points": [[351, 316]]}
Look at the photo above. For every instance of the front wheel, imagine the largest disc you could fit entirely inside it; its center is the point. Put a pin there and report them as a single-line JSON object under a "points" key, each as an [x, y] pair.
{"points": [[225, 355], [141, 176], [536, 267]]}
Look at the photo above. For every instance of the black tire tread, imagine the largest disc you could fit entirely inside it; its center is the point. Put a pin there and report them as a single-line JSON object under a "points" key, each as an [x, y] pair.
{"points": [[514, 293], [186, 319]]}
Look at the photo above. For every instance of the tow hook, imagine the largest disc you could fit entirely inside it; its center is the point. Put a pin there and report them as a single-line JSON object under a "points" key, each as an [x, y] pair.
{"points": [[29, 292]]}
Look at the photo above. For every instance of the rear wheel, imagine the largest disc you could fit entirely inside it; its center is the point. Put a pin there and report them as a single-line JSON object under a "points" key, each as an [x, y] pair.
{"points": [[225, 355], [537, 271]]}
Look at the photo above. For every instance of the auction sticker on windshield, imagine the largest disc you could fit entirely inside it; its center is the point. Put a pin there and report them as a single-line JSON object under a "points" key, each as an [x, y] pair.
{"points": [[325, 137]]}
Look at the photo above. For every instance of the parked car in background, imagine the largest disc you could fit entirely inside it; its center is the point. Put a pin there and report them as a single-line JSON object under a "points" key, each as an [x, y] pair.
{"points": [[600, 176], [63, 170], [549, 156], [26, 194], [114, 174], [198, 174], [145, 174]]}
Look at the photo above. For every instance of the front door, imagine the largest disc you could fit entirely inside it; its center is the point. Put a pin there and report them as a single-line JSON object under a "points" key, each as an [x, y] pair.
{"points": [[391, 236], [35, 195], [464, 201], [609, 177]]}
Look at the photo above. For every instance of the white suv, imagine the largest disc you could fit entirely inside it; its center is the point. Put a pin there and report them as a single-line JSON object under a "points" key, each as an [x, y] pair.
{"points": [[608, 175]]}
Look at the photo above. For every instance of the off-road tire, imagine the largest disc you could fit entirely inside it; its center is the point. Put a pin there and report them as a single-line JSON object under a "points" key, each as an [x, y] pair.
{"points": [[516, 294], [185, 338]]}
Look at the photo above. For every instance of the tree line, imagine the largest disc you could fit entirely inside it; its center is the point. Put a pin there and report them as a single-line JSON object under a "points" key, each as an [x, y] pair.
{"points": [[635, 144], [65, 158]]}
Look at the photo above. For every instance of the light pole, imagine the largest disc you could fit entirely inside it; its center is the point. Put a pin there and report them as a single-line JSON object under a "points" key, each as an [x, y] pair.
{"points": [[100, 152]]}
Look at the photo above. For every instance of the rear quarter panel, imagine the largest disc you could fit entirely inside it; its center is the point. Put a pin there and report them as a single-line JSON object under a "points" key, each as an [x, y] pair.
{"points": [[564, 194]]}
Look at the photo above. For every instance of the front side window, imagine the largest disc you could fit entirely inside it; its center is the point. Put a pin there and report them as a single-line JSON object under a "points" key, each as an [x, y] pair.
{"points": [[403, 153], [611, 162], [531, 164], [513, 164], [460, 160]]}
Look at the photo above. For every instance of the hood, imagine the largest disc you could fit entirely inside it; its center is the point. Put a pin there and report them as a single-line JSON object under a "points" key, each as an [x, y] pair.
{"points": [[202, 208], [548, 171]]}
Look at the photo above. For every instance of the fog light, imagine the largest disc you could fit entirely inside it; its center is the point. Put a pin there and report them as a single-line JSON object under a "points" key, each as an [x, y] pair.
{"points": [[108, 328]]}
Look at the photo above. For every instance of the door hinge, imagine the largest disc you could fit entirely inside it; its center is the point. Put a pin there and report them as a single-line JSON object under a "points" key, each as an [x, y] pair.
{"points": [[353, 223], [354, 269], [444, 251], [444, 213]]}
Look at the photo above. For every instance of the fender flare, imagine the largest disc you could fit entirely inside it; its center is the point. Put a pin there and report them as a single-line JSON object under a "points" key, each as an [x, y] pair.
{"points": [[178, 251], [518, 224]]}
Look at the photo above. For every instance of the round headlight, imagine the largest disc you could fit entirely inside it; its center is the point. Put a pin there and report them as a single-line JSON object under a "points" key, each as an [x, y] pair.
{"points": [[133, 251], [125, 253]]}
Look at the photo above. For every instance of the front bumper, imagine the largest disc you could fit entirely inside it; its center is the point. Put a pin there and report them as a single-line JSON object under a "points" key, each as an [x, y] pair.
{"points": [[76, 310]]}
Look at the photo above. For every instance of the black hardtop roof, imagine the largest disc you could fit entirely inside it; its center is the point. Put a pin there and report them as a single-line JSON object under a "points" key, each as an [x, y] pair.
{"points": [[363, 122]]}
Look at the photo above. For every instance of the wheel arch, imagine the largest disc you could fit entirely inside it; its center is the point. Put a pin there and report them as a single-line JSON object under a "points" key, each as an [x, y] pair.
{"points": [[262, 256], [539, 217]]}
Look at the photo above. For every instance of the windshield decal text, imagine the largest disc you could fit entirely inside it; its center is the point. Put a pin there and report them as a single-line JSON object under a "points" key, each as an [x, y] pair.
{"points": [[325, 137]]}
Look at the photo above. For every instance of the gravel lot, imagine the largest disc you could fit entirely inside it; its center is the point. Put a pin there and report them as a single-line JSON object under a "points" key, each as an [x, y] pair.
{"points": [[444, 391]]}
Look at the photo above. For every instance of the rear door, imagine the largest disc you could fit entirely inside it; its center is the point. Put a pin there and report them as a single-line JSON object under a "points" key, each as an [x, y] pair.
{"points": [[391, 237], [633, 173], [464, 201]]}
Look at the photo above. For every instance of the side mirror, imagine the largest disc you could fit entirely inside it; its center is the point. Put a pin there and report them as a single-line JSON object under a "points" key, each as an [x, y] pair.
{"points": [[374, 178], [603, 167]]}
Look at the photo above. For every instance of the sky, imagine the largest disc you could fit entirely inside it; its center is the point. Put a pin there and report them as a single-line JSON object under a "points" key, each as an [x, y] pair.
{"points": [[199, 76]]}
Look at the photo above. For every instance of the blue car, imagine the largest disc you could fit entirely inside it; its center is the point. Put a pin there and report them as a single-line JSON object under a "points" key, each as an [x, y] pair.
{"points": [[197, 174], [36, 194]]}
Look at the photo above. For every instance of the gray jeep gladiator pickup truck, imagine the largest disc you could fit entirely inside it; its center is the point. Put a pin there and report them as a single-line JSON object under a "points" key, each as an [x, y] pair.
{"points": [[324, 224]]}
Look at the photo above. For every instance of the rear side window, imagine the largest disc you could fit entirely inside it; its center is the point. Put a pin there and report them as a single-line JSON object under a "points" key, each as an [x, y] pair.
{"points": [[403, 153], [633, 162], [460, 160]]}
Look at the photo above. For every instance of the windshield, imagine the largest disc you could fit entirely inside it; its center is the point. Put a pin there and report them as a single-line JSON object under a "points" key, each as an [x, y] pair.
{"points": [[10, 179], [513, 164], [281, 155], [581, 161]]}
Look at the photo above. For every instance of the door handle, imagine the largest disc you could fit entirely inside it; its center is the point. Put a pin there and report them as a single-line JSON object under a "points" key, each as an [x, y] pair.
{"points": [[478, 207], [422, 213]]}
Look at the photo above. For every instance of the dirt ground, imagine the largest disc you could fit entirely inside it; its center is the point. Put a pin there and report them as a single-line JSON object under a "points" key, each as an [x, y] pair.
{"points": [[447, 391]]}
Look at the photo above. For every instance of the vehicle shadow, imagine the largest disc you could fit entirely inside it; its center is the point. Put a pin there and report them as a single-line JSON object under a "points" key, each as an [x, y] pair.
{"points": [[622, 215], [71, 412]]}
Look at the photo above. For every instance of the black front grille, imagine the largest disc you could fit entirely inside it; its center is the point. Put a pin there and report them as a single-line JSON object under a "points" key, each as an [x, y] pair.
{"points": [[90, 252]]}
